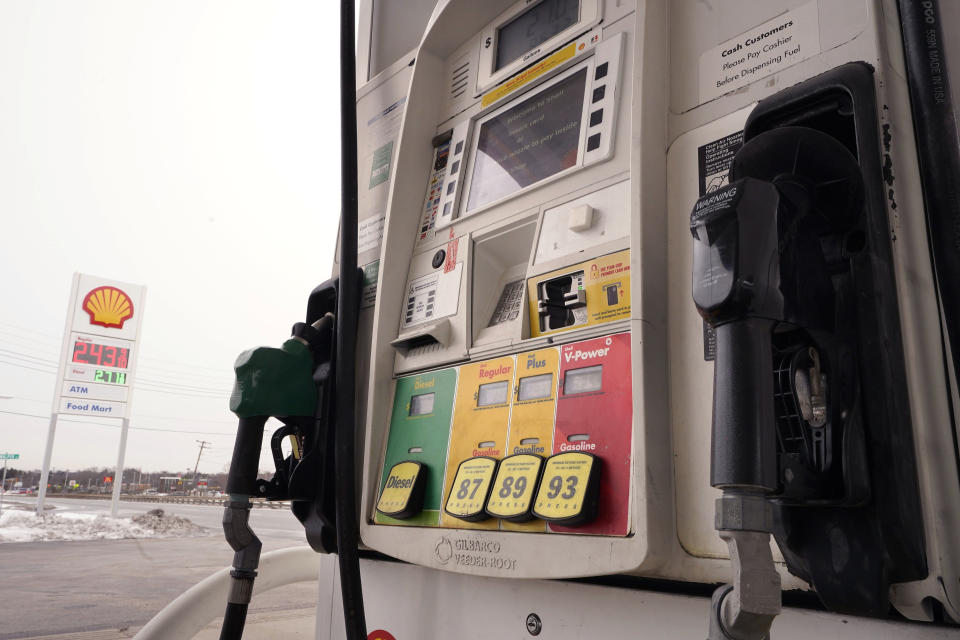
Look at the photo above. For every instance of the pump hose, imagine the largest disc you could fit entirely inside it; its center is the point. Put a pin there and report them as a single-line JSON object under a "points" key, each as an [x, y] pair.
{"points": [[348, 303]]}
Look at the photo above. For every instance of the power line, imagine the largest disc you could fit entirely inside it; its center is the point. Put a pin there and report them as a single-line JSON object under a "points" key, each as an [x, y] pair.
{"points": [[145, 383], [101, 424], [140, 415]]}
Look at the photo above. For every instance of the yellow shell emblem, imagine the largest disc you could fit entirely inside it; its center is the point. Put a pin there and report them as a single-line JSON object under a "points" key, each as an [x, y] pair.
{"points": [[108, 307]]}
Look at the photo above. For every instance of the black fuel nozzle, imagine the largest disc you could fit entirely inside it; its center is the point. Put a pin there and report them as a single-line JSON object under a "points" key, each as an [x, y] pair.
{"points": [[762, 252], [736, 287], [269, 383]]}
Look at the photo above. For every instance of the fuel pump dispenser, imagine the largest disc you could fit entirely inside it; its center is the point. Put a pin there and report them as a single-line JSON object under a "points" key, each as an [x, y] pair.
{"points": [[550, 436]]}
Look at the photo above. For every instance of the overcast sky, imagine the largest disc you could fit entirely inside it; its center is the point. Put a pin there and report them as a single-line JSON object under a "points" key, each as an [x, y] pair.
{"points": [[187, 145]]}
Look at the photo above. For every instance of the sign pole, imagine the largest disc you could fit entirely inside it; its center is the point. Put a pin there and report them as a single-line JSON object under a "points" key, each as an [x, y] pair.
{"points": [[3, 485], [47, 455], [118, 476]]}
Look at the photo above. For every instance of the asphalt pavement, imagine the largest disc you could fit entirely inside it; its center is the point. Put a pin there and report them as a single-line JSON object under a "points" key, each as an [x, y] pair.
{"points": [[108, 588]]}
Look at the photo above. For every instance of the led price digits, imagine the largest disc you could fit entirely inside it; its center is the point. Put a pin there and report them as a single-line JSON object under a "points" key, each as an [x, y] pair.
{"points": [[100, 355], [110, 377]]}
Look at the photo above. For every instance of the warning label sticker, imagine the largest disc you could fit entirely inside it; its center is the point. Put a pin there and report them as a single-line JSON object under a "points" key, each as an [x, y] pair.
{"points": [[714, 159], [779, 43], [713, 166]]}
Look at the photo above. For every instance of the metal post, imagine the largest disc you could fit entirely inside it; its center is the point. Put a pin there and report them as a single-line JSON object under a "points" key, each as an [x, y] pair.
{"points": [[47, 455], [118, 476], [3, 485]]}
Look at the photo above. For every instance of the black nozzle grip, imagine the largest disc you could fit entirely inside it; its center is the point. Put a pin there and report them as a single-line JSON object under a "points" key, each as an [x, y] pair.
{"points": [[244, 465], [743, 444]]}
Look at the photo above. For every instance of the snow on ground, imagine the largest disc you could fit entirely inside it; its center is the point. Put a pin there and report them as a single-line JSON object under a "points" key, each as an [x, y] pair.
{"points": [[27, 526]]}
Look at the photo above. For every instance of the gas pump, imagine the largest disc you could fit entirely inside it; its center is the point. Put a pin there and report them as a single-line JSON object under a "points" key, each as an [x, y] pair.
{"points": [[561, 431]]}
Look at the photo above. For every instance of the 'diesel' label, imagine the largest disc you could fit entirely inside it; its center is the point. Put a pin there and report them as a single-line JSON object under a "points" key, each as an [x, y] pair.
{"points": [[402, 495], [513, 487], [470, 488]]}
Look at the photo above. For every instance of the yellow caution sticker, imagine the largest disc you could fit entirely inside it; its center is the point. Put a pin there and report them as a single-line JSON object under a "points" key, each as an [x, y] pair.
{"points": [[547, 64], [470, 488], [513, 487], [402, 495], [568, 488]]}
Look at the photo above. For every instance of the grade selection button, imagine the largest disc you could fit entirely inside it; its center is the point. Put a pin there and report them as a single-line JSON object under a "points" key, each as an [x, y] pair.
{"points": [[402, 495], [568, 489], [513, 487], [470, 489]]}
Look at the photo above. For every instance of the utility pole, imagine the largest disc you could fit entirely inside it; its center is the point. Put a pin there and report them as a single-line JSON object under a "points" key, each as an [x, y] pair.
{"points": [[203, 443]]}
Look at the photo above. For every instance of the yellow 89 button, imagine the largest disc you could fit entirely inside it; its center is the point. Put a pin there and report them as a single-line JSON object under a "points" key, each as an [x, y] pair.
{"points": [[568, 488], [513, 487], [470, 489]]}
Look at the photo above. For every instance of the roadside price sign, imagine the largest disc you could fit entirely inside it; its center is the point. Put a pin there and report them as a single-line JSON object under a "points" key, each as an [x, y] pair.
{"points": [[568, 488], [470, 489], [513, 487]]}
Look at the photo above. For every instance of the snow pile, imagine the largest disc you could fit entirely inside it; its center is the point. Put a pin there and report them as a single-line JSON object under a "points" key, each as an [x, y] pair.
{"points": [[27, 526]]}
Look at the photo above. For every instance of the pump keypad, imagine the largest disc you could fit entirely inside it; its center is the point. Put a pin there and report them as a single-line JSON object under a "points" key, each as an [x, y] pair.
{"points": [[470, 489], [513, 487], [568, 488], [402, 495]]}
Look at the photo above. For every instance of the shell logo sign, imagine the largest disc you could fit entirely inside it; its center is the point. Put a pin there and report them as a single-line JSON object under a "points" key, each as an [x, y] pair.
{"points": [[108, 307]]}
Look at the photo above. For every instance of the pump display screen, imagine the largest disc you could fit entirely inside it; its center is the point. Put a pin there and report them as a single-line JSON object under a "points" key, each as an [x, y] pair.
{"points": [[101, 355], [422, 404], [529, 142], [493, 393], [534, 27], [583, 380], [535, 387]]}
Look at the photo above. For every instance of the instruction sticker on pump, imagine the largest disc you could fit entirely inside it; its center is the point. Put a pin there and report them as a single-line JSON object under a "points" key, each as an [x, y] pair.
{"points": [[581, 295], [433, 296], [568, 489], [470, 488]]}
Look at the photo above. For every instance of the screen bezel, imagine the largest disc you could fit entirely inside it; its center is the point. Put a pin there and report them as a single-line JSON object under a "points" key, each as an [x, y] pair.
{"points": [[498, 40], [488, 75], [464, 203]]}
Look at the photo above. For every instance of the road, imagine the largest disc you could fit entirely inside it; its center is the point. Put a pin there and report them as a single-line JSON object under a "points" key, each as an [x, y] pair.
{"points": [[69, 587]]}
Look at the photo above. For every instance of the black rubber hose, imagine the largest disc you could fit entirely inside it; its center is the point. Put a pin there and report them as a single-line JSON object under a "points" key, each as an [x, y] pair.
{"points": [[242, 477], [233, 621], [938, 151], [348, 303]]}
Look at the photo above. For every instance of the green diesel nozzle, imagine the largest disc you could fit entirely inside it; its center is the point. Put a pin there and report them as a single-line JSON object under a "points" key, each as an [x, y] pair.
{"points": [[274, 382]]}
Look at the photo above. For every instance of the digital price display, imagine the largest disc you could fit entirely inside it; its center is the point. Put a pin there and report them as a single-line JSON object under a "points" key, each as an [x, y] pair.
{"points": [[422, 404], [583, 380], [535, 387], [110, 377], [493, 393], [101, 355], [534, 27]]}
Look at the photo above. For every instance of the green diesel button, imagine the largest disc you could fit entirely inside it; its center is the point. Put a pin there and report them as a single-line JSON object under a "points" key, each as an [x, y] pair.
{"points": [[402, 494]]}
